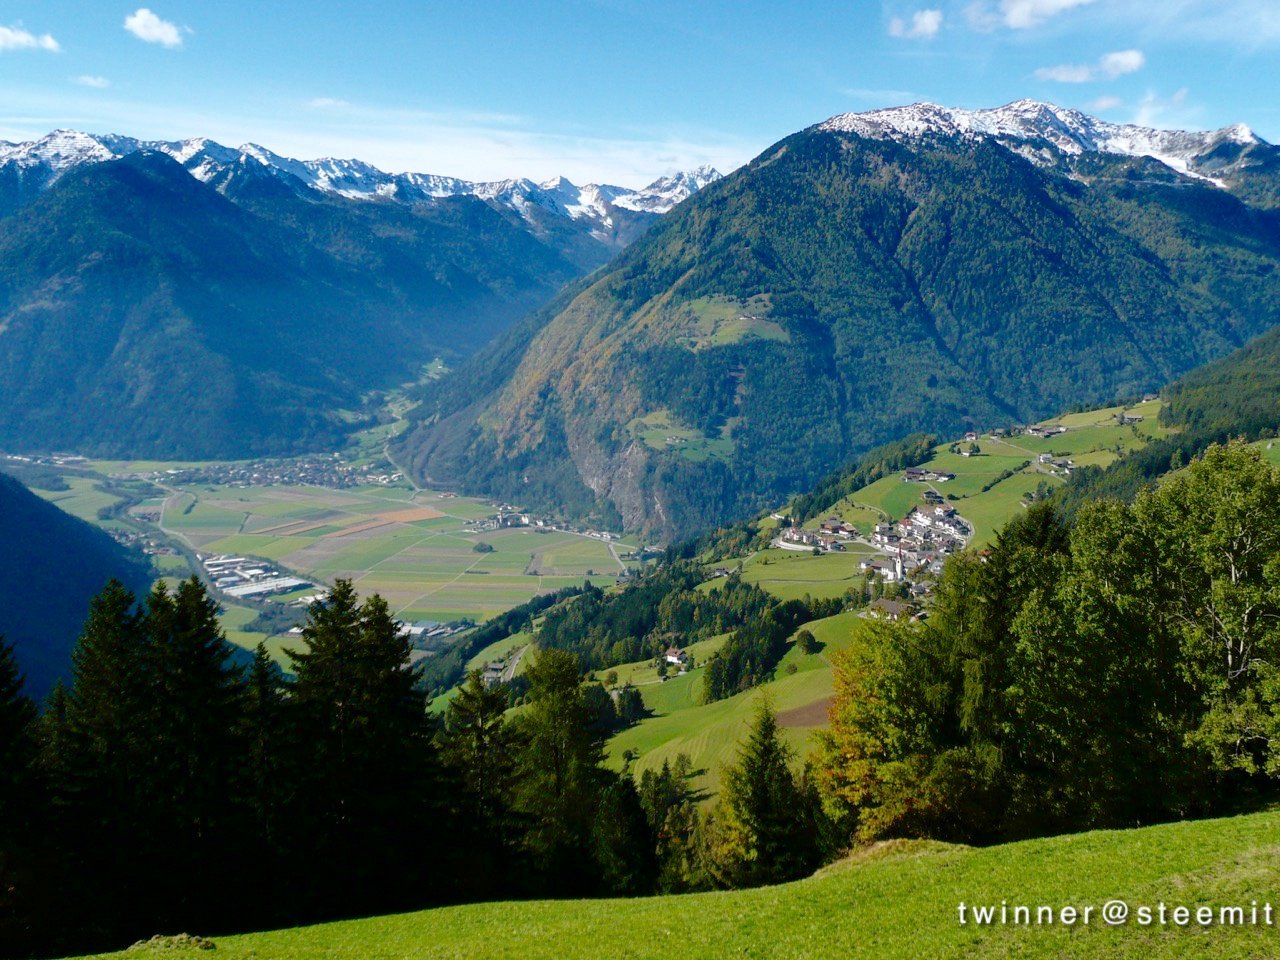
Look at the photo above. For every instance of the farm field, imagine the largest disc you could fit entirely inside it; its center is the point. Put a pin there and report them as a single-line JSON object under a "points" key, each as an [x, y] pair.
{"points": [[427, 553], [710, 732], [898, 899], [791, 574], [1093, 438], [418, 549]]}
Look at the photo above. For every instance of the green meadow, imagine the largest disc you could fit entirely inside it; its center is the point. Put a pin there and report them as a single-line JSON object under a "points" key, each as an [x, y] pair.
{"points": [[898, 899], [792, 574], [709, 733], [1093, 438]]}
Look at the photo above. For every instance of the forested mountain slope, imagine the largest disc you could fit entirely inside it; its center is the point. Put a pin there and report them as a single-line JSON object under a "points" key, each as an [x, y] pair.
{"points": [[852, 286], [145, 313], [51, 565]]}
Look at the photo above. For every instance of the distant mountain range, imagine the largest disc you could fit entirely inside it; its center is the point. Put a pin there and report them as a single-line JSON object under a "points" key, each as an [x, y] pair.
{"points": [[873, 275], [612, 214], [186, 300]]}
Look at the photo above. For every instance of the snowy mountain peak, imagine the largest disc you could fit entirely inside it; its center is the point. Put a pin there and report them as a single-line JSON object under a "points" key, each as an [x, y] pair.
{"points": [[60, 150], [44, 160], [1033, 122], [665, 192]]}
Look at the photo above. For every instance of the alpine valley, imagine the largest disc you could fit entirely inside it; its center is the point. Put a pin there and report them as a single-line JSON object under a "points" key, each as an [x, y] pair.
{"points": [[190, 300], [918, 268]]}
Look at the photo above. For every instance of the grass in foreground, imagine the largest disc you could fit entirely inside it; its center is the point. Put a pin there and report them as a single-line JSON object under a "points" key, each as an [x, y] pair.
{"points": [[895, 900]]}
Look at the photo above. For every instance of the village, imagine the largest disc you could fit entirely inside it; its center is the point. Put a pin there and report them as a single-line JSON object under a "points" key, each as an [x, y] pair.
{"points": [[329, 470], [909, 553]]}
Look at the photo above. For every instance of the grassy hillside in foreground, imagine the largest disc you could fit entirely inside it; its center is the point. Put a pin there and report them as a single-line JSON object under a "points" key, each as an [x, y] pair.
{"points": [[898, 899]]}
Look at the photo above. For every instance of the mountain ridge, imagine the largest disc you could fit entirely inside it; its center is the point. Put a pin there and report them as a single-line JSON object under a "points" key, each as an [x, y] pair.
{"points": [[842, 290], [45, 159], [1069, 130]]}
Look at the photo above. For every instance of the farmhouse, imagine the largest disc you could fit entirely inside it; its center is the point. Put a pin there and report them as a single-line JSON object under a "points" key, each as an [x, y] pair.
{"points": [[883, 609], [923, 475], [676, 656]]}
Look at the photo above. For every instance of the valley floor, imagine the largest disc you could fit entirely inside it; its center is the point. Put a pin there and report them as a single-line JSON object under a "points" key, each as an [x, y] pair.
{"points": [[898, 899]]}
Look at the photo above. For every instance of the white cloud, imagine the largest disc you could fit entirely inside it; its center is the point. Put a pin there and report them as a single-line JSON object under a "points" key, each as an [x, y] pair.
{"points": [[924, 25], [1109, 67], [146, 26], [1120, 62], [16, 38], [1016, 14], [97, 83], [1021, 14], [1246, 23], [1067, 73], [327, 103], [1103, 104]]}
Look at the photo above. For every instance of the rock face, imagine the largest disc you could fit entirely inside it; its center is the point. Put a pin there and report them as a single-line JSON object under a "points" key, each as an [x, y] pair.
{"points": [[869, 277]]}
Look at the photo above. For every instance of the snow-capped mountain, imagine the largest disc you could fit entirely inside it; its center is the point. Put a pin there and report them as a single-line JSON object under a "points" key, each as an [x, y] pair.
{"points": [[1031, 126], [39, 163]]}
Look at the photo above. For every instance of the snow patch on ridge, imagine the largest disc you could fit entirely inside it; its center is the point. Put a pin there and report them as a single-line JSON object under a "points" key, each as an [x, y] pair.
{"points": [[1026, 122], [55, 153]]}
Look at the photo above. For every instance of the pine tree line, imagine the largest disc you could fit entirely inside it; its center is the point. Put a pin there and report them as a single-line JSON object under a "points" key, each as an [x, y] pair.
{"points": [[169, 788]]}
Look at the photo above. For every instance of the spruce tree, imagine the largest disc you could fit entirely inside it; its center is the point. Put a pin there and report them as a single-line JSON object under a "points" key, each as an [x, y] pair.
{"points": [[194, 769], [561, 779], [265, 731], [369, 788], [19, 803], [106, 819], [763, 818], [17, 742], [480, 746], [479, 749]]}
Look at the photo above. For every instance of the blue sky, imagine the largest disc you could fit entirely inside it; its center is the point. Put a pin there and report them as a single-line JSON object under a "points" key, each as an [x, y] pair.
{"points": [[610, 90]]}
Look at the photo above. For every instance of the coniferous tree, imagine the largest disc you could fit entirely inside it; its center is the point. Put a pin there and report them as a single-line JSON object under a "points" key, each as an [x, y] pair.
{"points": [[368, 783], [624, 846], [763, 827], [671, 805], [105, 817], [560, 775], [19, 803], [479, 744], [17, 741], [270, 775], [479, 749], [196, 763], [265, 727]]}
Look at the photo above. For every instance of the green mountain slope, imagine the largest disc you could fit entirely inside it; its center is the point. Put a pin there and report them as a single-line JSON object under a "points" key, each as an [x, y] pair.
{"points": [[51, 564], [1235, 397], [144, 313], [839, 292], [899, 899]]}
